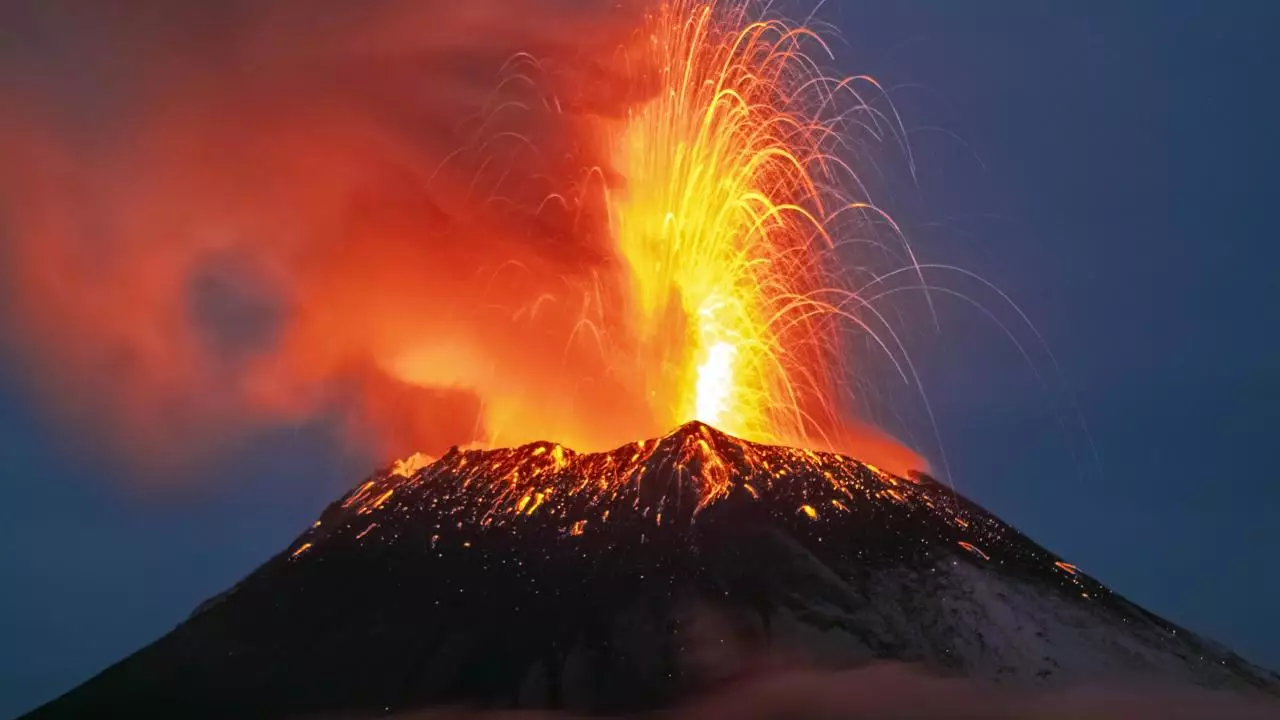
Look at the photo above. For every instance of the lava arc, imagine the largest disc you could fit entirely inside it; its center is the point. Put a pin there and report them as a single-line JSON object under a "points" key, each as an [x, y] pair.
{"points": [[731, 184]]}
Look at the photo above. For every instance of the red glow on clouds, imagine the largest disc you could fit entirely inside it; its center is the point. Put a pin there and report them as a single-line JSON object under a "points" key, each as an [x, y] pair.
{"points": [[224, 217]]}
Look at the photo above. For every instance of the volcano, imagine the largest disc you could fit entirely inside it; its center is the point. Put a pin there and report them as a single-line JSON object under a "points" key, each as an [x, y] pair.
{"points": [[540, 577]]}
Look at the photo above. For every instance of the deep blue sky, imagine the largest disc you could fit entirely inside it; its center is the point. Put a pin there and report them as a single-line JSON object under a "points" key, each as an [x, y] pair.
{"points": [[1109, 165]]}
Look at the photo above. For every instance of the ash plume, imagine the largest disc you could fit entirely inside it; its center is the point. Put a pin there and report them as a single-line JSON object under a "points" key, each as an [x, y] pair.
{"points": [[218, 217], [218, 214]]}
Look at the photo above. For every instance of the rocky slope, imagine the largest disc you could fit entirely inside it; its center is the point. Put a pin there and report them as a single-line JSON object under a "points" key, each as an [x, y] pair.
{"points": [[540, 577]]}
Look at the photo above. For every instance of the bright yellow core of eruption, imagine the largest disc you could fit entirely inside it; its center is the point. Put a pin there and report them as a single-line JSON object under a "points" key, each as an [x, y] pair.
{"points": [[715, 383], [721, 222]]}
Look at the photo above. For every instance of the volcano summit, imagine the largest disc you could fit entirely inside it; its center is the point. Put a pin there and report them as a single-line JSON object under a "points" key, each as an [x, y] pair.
{"points": [[540, 577]]}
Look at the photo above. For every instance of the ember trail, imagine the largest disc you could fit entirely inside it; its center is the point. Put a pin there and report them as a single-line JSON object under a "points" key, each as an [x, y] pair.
{"points": [[721, 224], [725, 223]]}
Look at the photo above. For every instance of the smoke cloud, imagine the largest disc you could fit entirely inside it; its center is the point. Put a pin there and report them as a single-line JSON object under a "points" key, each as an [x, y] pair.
{"points": [[219, 216], [222, 213]]}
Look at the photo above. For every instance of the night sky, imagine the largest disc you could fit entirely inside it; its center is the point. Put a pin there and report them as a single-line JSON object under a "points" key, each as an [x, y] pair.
{"points": [[1108, 165]]}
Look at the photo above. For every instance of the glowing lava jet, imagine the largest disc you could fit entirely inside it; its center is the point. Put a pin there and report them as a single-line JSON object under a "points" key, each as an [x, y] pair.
{"points": [[731, 304], [722, 223]]}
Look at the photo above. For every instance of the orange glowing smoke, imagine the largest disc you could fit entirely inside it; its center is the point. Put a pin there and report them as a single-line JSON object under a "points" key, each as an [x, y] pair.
{"points": [[451, 222]]}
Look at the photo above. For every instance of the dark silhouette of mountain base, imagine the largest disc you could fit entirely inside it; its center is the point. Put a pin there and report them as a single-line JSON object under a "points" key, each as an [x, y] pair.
{"points": [[609, 582]]}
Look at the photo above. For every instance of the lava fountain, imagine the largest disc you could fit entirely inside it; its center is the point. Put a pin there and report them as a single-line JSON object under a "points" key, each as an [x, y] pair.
{"points": [[723, 224]]}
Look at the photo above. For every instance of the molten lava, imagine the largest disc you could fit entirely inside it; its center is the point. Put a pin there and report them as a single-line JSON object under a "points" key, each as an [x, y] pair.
{"points": [[721, 224], [675, 476], [660, 486]]}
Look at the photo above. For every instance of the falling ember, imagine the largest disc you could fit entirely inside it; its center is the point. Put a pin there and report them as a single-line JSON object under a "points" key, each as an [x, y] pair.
{"points": [[973, 549], [301, 549], [384, 497]]}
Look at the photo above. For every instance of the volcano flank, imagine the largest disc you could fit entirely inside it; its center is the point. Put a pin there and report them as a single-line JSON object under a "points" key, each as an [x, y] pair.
{"points": [[540, 577]]}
